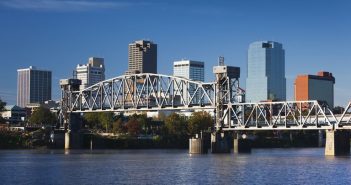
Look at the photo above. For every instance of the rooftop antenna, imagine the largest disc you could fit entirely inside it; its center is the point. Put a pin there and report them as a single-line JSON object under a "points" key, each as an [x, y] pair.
{"points": [[221, 61]]}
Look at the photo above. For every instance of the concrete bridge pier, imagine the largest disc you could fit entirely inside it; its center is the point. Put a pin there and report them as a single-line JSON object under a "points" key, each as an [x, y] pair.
{"points": [[241, 143], [197, 145], [337, 143], [219, 143], [73, 138]]}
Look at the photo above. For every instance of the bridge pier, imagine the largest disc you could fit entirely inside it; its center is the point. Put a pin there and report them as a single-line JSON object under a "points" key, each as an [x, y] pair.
{"points": [[337, 143], [241, 144], [219, 143], [72, 135], [197, 145], [321, 139], [72, 140]]}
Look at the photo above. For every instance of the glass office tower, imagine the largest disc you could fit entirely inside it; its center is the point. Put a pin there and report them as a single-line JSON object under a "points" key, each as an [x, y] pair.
{"points": [[265, 72]]}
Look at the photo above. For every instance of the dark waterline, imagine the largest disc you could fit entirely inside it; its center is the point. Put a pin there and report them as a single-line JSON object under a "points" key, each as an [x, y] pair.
{"points": [[262, 166]]}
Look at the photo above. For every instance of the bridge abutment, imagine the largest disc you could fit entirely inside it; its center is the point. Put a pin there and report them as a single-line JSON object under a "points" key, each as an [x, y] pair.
{"points": [[337, 142], [241, 145]]}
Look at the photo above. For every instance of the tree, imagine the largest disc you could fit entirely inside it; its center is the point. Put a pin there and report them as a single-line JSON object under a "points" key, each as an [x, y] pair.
{"points": [[42, 115], [145, 123], [2, 108], [92, 119], [198, 122], [133, 127], [106, 119], [118, 126], [176, 125], [2, 105]]}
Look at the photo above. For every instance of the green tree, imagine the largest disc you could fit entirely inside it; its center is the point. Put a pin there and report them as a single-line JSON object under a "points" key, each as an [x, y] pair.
{"points": [[92, 119], [2, 105], [176, 125], [145, 123], [2, 108], [118, 126], [106, 119], [199, 121], [42, 115]]}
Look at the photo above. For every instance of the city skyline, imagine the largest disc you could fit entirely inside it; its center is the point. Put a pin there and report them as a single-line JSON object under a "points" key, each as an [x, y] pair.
{"points": [[315, 37]]}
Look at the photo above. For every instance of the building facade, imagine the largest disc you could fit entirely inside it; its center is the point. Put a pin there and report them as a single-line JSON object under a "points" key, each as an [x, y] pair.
{"points": [[265, 72], [142, 57], [91, 73], [14, 114], [315, 87], [193, 70], [33, 86]]}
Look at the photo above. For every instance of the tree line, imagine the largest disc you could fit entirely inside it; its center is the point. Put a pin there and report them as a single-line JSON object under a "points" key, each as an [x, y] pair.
{"points": [[174, 125]]}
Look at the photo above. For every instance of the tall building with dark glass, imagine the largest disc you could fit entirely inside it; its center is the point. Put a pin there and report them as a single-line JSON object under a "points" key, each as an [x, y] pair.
{"points": [[265, 72], [33, 86], [142, 57]]}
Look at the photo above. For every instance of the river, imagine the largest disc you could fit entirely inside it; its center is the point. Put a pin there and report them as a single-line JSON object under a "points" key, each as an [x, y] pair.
{"points": [[262, 166]]}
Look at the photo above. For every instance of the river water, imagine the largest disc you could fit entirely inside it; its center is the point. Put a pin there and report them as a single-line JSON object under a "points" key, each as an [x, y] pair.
{"points": [[262, 166]]}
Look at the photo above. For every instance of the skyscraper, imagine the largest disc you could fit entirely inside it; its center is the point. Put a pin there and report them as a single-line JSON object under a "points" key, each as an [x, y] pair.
{"points": [[33, 86], [142, 57], [193, 70], [265, 72], [91, 73]]}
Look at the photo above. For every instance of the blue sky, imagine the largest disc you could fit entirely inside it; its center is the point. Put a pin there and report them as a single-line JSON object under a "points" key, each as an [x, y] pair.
{"points": [[59, 34]]}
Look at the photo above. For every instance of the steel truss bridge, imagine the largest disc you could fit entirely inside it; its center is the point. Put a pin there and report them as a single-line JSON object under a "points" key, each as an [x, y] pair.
{"points": [[156, 92]]}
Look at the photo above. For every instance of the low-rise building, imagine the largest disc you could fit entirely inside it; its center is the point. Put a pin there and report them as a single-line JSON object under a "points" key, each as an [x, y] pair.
{"points": [[14, 114]]}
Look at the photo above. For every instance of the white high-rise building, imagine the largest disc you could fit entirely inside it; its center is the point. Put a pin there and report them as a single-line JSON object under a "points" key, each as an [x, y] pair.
{"points": [[91, 73], [193, 70]]}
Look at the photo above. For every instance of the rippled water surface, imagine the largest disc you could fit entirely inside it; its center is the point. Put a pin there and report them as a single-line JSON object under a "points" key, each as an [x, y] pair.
{"points": [[262, 166]]}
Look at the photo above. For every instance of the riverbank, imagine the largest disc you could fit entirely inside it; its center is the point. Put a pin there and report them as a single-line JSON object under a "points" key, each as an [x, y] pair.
{"points": [[41, 139], [18, 139]]}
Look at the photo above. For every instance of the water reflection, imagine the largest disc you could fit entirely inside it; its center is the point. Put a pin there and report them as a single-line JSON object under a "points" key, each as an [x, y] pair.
{"points": [[262, 166]]}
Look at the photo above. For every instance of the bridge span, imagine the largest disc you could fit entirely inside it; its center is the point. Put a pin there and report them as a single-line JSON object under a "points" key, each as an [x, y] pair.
{"points": [[157, 92]]}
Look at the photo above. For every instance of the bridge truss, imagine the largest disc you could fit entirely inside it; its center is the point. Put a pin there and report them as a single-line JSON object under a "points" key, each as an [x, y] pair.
{"points": [[142, 92]]}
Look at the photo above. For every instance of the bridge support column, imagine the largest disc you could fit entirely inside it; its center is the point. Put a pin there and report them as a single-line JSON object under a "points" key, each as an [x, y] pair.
{"points": [[241, 145], [337, 142], [72, 140], [219, 143], [321, 140], [72, 135], [197, 145]]}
